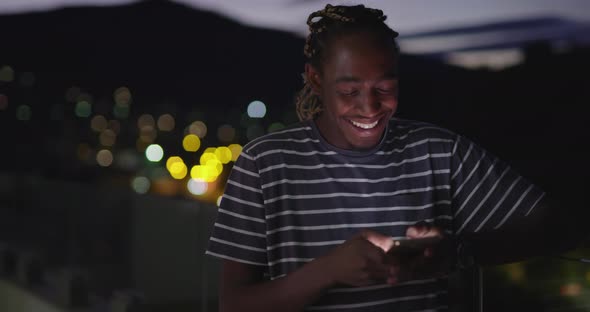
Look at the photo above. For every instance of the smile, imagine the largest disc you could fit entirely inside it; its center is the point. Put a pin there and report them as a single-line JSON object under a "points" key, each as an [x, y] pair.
{"points": [[364, 125]]}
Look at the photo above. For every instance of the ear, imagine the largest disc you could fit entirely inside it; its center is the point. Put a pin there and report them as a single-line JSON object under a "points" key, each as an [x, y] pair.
{"points": [[313, 78]]}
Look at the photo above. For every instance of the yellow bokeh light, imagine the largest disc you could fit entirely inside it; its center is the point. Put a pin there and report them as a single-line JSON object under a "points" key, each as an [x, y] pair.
{"points": [[206, 157], [205, 173], [172, 160], [191, 143], [178, 170], [224, 154], [216, 165], [236, 150]]}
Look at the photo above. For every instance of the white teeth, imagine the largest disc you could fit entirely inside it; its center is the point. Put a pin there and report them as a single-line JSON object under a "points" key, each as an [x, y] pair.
{"points": [[365, 126]]}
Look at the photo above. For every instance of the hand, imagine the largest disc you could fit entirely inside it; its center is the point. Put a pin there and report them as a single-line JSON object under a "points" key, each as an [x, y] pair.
{"points": [[360, 261], [433, 261]]}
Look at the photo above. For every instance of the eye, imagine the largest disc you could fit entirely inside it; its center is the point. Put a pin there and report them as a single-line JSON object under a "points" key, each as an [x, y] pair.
{"points": [[386, 91], [350, 92]]}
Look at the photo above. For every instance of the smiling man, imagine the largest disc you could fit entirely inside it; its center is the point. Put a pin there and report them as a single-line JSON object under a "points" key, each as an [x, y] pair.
{"points": [[312, 215]]}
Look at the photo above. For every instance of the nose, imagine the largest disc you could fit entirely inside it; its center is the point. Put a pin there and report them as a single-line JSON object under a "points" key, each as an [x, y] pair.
{"points": [[369, 104]]}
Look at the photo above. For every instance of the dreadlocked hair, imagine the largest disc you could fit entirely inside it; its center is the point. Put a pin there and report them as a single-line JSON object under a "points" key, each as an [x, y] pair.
{"points": [[324, 25]]}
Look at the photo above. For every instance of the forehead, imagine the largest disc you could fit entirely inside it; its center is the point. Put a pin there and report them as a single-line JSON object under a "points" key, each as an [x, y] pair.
{"points": [[360, 55]]}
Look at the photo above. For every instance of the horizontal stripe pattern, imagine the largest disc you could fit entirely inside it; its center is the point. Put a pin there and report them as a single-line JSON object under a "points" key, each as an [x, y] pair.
{"points": [[292, 198]]}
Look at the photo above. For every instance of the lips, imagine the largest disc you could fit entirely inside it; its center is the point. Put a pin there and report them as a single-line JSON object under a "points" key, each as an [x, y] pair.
{"points": [[365, 126]]}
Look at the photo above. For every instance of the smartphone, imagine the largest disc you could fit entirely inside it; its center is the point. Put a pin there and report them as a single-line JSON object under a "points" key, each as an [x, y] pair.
{"points": [[413, 245]]}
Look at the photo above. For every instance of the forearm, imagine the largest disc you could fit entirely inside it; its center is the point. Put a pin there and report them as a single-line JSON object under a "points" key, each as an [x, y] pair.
{"points": [[547, 230], [288, 294]]}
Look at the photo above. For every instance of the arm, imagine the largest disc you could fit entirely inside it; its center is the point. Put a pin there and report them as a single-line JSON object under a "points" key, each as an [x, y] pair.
{"points": [[548, 229], [359, 261]]}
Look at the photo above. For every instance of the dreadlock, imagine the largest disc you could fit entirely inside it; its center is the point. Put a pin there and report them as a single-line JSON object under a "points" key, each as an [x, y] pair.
{"points": [[323, 26]]}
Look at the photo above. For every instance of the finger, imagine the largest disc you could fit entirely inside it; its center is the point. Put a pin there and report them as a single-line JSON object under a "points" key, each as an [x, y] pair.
{"points": [[418, 230], [382, 241]]}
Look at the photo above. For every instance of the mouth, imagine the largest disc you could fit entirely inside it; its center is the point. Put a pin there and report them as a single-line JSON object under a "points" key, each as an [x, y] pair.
{"points": [[364, 126]]}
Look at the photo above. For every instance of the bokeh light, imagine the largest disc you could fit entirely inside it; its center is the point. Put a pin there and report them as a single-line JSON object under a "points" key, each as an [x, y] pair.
{"points": [[83, 109], [191, 143], [104, 158], [236, 150], [203, 172], [178, 170], [226, 133], [256, 109], [148, 134], [154, 153], [122, 97], [146, 120], [140, 184], [198, 128], [3, 102], [23, 112], [6, 74], [224, 154], [197, 186], [107, 138], [98, 123], [571, 290], [208, 154], [172, 160], [166, 122], [216, 165]]}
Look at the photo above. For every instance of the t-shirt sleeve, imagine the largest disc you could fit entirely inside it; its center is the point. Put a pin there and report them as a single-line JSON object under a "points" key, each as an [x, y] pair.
{"points": [[486, 192], [239, 232]]}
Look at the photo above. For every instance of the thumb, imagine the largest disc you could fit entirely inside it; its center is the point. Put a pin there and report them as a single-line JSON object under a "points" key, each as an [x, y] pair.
{"points": [[382, 241]]}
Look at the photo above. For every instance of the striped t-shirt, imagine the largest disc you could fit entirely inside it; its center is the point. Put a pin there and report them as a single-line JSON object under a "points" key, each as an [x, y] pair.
{"points": [[292, 197]]}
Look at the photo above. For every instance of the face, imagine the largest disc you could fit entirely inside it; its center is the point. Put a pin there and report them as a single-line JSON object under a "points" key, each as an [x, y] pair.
{"points": [[358, 88]]}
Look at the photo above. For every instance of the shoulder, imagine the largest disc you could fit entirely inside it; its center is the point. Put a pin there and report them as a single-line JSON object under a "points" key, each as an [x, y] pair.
{"points": [[418, 130], [299, 132]]}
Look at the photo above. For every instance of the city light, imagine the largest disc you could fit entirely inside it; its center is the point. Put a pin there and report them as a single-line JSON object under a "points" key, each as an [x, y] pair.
{"points": [[23, 112], [256, 109], [197, 186], [83, 109], [236, 150], [98, 123], [224, 154], [104, 158], [6, 74], [191, 143], [140, 184], [198, 128], [154, 153], [166, 122]]}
